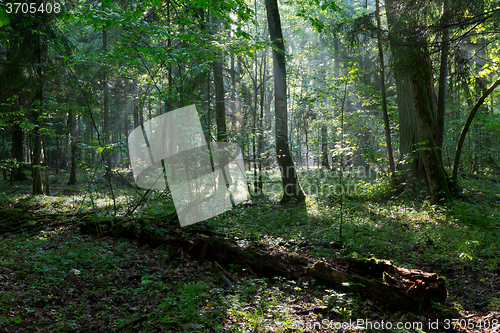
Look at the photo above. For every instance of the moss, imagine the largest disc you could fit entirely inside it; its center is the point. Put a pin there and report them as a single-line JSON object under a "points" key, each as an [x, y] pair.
{"points": [[294, 258], [375, 261], [494, 304]]}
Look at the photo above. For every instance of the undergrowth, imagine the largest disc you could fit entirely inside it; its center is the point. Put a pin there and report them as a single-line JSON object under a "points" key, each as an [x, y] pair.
{"points": [[458, 241]]}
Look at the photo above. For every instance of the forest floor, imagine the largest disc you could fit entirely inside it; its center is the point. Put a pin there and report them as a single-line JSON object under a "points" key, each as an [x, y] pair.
{"points": [[53, 278]]}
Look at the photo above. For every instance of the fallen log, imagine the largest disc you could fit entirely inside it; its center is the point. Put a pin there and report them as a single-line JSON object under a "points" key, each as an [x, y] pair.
{"points": [[412, 290], [395, 287], [399, 288]]}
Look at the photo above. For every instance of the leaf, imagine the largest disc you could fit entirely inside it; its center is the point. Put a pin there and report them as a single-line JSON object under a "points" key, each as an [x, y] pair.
{"points": [[4, 18]]}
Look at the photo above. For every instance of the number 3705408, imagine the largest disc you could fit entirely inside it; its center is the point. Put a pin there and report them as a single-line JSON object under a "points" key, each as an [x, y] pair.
{"points": [[28, 7]]}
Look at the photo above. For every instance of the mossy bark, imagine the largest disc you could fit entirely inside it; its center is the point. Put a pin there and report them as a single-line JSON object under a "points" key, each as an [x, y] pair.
{"points": [[421, 81], [413, 66]]}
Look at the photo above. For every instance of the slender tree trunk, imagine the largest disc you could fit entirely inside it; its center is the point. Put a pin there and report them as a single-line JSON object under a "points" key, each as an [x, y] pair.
{"points": [[4, 153], [170, 100], [306, 143], [254, 125], [260, 146], [233, 90], [324, 147], [105, 92], [292, 190], [220, 108], [72, 128], [37, 187], [63, 152], [89, 130], [208, 115], [443, 76], [17, 153], [119, 119], [384, 99], [47, 168], [135, 105], [336, 56]]}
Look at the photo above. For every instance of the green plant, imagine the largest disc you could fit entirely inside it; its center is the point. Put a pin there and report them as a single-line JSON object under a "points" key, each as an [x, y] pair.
{"points": [[186, 304]]}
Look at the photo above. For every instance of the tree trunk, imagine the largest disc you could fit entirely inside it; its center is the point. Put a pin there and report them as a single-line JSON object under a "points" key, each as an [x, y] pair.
{"points": [[384, 99], [105, 88], [443, 76], [411, 56], [436, 177], [17, 153], [324, 147], [47, 167], [4, 153], [292, 190], [63, 151], [408, 129], [119, 118], [37, 187], [72, 128], [396, 287], [260, 146], [220, 108]]}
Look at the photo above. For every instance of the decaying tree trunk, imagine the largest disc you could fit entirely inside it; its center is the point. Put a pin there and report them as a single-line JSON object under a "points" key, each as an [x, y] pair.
{"points": [[397, 288]]}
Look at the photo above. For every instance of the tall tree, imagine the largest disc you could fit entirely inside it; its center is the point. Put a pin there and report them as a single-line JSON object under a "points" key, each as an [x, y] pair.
{"points": [[105, 92], [384, 100], [37, 187], [292, 190], [443, 77], [11, 83], [220, 108], [413, 68], [73, 135]]}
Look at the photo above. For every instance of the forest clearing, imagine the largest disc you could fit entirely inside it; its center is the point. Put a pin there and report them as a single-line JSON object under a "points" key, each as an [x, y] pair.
{"points": [[249, 166]]}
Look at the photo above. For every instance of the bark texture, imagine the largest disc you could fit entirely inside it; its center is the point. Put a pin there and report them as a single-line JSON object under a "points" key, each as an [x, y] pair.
{"points": [[443, 76], [17, 152], [72, 127], [413, 67], [292, 191], [37, 187], [384, 99], [220, 108]]}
